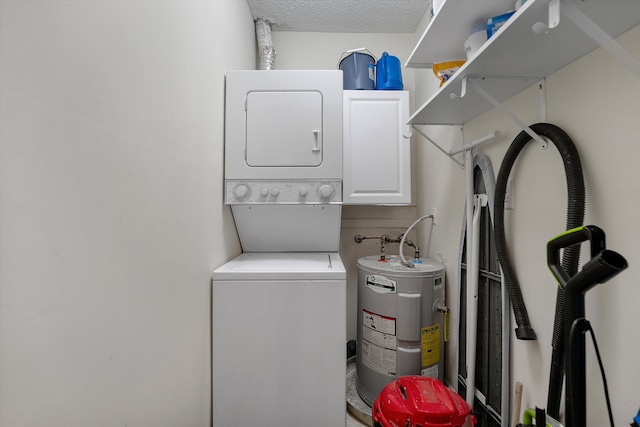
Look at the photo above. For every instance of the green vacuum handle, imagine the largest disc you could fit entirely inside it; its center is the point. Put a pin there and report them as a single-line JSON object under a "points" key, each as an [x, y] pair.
{"points": [[529, 415], [577, 235]]}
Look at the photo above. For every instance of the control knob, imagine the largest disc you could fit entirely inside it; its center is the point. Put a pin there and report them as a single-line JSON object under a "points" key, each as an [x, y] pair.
{"points": [[241, 191], [326, 191]]}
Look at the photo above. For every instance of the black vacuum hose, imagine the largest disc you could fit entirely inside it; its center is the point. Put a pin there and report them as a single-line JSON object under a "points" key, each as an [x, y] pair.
{"points": [[570, 255], [575, 213]]}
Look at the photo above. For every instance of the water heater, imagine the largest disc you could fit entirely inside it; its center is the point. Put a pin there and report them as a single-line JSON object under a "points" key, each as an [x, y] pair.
{"points": [[400, 328]]}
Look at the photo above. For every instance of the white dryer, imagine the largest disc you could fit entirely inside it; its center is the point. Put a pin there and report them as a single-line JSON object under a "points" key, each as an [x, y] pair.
{"points": [[283, 158], [283, 124], [279, 340]]}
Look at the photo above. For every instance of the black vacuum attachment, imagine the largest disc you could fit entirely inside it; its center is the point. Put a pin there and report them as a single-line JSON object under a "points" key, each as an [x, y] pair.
{"points": [[603, 265]]}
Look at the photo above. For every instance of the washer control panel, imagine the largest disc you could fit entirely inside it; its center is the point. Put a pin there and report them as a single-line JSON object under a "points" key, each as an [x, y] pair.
{"points": [[251, 192]]}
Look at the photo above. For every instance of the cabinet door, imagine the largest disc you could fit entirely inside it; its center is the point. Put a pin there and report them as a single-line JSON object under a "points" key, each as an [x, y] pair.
{"points": [[284, 129], [377, 164]]}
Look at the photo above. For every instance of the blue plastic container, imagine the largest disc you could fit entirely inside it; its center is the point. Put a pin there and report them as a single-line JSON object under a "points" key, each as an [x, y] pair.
{"points": [[494, 24], [358, 70], [388, 73]]}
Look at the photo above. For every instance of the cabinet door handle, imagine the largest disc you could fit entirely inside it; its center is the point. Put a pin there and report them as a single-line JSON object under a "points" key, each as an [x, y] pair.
{"points": [[316, 143]]}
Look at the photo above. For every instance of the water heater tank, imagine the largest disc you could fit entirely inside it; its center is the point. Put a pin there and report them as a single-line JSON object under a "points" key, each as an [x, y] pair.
{"points": [[400, 329]]}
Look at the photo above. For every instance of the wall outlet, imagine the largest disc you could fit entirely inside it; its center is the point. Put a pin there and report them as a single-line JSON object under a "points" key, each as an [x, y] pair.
{"points": [[509, 203]]}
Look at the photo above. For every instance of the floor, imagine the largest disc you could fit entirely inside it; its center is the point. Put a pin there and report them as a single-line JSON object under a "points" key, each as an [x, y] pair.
{"points": [[355, 404], [353, 422]]}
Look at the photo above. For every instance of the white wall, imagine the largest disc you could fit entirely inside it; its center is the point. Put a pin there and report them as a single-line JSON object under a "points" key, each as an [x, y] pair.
{"points": [[111, 213], [595, 100]]}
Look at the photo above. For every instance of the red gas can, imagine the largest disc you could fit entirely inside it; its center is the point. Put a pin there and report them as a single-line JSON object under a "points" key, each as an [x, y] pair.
{"points": [[412, 401]]}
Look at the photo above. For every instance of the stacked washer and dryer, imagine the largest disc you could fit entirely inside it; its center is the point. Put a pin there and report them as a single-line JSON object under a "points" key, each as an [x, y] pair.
{"points": [[279, 308]]}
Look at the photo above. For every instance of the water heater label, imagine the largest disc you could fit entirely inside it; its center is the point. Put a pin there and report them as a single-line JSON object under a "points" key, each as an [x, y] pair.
{"points": [[383, 324], [379, 359], [431, 372], [430, 340], [380, 284], [379, 338], [379, 342]]}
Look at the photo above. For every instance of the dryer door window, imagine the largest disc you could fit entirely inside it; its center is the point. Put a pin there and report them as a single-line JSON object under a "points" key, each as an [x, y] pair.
{"points": [[284, 129]]}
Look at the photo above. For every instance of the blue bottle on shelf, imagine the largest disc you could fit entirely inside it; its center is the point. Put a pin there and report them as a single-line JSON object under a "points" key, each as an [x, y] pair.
{"points": [[388, 73]]}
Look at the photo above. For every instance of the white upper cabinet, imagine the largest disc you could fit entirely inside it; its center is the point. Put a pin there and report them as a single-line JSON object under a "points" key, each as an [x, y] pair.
{"points": [[515, 57], [377, 155]]}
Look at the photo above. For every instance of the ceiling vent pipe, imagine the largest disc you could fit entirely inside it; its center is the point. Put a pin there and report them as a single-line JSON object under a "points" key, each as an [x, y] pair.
{"points": [[265, 47]]}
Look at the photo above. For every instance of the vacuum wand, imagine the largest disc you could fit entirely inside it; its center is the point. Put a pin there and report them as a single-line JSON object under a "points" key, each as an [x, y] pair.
{"points": [[599, 269], [603, 265]]}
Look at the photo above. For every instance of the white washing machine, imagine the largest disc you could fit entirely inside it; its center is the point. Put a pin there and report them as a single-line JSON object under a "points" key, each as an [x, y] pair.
{"points": [[279, 346]]}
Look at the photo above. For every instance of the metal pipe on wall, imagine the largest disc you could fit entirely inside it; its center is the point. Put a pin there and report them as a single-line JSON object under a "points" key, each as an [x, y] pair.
{"points": [[266, 51]]}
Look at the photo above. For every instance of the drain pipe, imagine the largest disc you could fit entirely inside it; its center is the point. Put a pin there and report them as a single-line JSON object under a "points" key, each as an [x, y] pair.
{"points": [[266, 51]]}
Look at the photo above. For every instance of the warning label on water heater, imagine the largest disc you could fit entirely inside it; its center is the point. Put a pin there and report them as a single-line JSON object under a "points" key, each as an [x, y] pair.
{"points": [[379, 338], [379, 343], [379, 323], [430, 341]]}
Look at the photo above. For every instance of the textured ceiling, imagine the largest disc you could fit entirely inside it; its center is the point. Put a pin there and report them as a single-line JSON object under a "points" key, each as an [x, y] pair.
{"points": [[341, 16]]}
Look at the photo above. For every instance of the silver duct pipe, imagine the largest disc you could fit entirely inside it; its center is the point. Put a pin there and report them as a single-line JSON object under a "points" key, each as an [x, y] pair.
{"points": [[266, 51]]}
